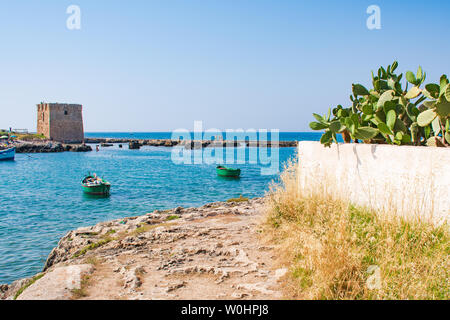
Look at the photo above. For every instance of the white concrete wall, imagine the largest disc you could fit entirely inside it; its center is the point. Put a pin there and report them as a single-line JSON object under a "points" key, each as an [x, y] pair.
{"points": [[405, 180]]}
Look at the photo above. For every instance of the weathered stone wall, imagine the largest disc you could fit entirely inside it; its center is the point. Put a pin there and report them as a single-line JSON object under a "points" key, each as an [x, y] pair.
{"points": [[43, 116], [408, 181], [61, 122]]}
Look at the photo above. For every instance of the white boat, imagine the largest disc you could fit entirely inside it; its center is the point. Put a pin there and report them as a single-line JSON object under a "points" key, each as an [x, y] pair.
{"points": [[8, 154]]}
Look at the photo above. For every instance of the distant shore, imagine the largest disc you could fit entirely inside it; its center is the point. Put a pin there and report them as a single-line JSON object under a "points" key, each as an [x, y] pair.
{"points": [[48, 146], [191, 144]]}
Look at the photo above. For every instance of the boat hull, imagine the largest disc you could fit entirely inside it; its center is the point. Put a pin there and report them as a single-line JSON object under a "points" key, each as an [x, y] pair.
{"points": [[7, 154], [228, 172], [102, 189]]}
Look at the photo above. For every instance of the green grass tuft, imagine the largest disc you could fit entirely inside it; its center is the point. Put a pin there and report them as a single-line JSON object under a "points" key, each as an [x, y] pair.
{"points": [[81, 292], [92, 246], [29, 283], [240, 199]]}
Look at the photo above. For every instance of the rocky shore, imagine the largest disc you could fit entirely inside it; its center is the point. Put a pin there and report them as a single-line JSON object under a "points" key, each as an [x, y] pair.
{"points": [[211, 252], [192, 144], [48, 147], [51, 146]]}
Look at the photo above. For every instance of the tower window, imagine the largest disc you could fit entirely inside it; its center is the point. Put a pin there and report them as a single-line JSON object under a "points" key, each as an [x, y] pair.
{"points": [[65, 112]]}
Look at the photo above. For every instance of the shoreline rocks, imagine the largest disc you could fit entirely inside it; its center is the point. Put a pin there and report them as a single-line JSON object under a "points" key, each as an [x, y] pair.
{"points": [[190, 144], [165, 254], [49, 147], [134, 145], [52, 146]]}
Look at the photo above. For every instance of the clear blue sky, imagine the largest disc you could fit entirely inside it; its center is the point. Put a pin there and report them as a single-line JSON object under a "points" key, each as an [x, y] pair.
{"points": [[160, 65]]}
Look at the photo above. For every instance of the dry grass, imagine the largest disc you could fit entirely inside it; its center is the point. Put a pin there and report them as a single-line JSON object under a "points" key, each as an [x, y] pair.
{"points": [[92, 260], [333, 249]]}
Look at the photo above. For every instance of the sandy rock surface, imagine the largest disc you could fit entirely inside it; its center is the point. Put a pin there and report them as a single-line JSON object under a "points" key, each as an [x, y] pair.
{"points": [[58, 284]]}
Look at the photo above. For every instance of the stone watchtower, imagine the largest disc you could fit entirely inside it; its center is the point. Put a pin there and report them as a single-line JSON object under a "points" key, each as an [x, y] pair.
{"points": [[60, 122]]}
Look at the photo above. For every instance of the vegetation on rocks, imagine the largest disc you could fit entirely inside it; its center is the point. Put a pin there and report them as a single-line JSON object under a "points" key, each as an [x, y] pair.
{"points": [[81, 292], [92, 246], [29, 283], [390, 113], [24, 136], [338, 251], [142, 228], [172, 217], [240, 199], [30, 137]]}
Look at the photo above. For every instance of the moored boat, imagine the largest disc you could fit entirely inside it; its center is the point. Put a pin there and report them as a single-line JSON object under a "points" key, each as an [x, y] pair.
{"points": [[95, 185], [228, 172], [8, 154]]}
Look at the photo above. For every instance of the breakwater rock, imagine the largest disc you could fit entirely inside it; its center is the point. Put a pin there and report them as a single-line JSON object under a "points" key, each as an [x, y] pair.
{"points": [[134, 145], [140, 142], [211, 252], [48, 147], [190, 144]]}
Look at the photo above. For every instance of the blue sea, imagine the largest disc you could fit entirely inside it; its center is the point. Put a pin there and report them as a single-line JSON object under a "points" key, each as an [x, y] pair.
{"points": [[41, 197]]}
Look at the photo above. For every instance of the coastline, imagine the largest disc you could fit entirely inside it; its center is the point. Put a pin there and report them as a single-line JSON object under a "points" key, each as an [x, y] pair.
{"points": [[47, 146], [59, 205], [190, 144], [160, 255]]}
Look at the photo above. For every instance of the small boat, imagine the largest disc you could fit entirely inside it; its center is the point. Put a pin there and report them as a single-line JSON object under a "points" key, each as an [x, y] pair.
{"points": [[228, 172], [8, 154], [95, 185]]}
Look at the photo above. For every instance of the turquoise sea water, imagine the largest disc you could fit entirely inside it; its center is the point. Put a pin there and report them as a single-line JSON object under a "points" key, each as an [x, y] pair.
{"points": [[41, 197]]}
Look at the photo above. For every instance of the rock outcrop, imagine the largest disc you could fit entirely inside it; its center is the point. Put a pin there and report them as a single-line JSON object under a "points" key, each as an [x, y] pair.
{"points": [[59, 284], [134, 145], [211, 252], [49, 147]]}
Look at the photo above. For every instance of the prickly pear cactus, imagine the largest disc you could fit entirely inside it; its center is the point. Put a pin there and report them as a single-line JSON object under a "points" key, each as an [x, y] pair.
{"points": [[392, 113]]}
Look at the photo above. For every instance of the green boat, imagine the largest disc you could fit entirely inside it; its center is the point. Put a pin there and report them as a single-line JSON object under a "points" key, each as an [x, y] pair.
{"points": [[228, 172], [95, 185]]}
